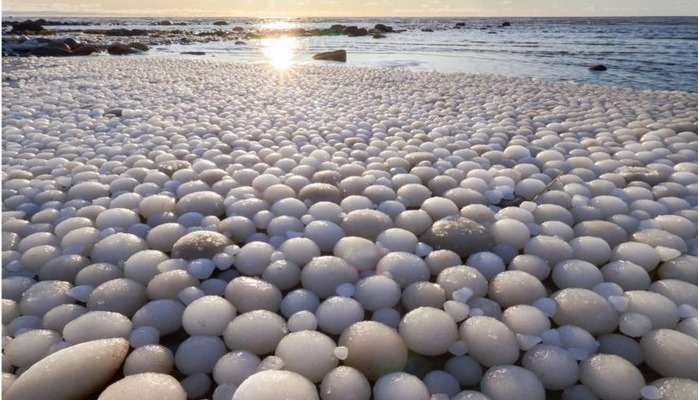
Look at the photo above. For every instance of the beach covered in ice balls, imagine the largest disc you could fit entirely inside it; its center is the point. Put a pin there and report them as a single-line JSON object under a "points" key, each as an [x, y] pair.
{"points": [[191, 229]]}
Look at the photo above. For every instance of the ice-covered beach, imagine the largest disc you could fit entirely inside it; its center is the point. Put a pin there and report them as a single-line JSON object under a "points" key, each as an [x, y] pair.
{"points": [[198, 229]]}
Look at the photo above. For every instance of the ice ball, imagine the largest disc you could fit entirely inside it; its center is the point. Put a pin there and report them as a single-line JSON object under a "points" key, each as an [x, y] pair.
{"points": [[247, 294], [234, 367], [322, 275], [459, 234], [345, 383], [257, 331], [199, 354], [510, 288], [489, 341], [429, 331], [404, 268], [511, 382], [377, 291], [96, 325], [361, 253], [611, 377], [586, 309], [671, 353], [208, 315], [149, 358], [374, 349], [309, 353], [276, 384], [553, 365], [337, 313], [400, 385]]}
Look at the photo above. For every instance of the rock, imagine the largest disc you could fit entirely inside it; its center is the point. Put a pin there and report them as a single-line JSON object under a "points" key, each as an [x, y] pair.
{"points": [[86, 50], [72, 373], [220, 23], [506, 23], [378, 35], [72, 43], [239, 42], [427, 30], [354, 31], [337, 55], [238, 29], [460, 24], [126, 32], [459, 234], [382, 28], [164, 23], [598, 67], [27, 26], [194, 53], [139, 46], [120, 49], [146, 385]]}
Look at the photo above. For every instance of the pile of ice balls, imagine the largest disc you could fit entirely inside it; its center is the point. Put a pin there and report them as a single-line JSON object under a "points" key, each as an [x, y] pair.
{"points": [[202, 244]]}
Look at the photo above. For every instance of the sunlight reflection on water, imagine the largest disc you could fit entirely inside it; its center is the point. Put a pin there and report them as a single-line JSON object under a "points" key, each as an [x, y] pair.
{"points": [[279, 51]]}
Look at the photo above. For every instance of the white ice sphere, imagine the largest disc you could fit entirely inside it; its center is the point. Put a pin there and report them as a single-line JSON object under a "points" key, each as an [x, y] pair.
{"points": [[276, 384], [626, 274], [169, 284], [510, 288], [400, 385], [345, 290], [423, 294], [641, 254], [345, 383], [591, 249], [224, 391], [529, 188], [488, 263], [489, 341], [204, 202], [459, 277], [189, 294], [576, 274], [502, 382], [404, 268], [283, 274], [299, 300], [323, 274], [247, 294], [199, 354], [675, 388], [397, 239], [621, 345], [234, 367], [299, 250], [415, 221], [359, 252], [199, 244], [337, 313], [586, 309], [439, 207], [658, 308], [388, 316], [156, 204], [208, 315], [457, 310], [550, 249], [196, 386], [374, 349], [532, 264], [301, 321], [377, 291], [143, 336], [29, 347], [86, 366], [164, 236], [428, 331], [527, 320], [149, 384], [510, 231], [96, 325], [165, 315], [149, 358], [325, 234], [143, 265], [671, 353], [116, 218], [201, 268], [257, 331], [325, 210], [309, 353], [253, 258], [441, 382], [117, 248], [680, 292], [611, 377], [465, 369], [81, 293], [634, 324], [554, 366]]}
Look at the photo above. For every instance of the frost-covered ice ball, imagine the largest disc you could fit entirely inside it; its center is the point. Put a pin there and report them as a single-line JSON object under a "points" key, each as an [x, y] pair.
{"points": [[671, 353], [641, 254], [322, 275], [163, 237], [117, 248], [168, 285], [440, 382], [404, 268], [56, 318], [345, 383], [586, 309], [158, 203], [626, 274], [235, 367], [502, 382], [553, 365], [415, 221], [257, 331], [299, 300], [459, 277], [153, 385], [324, 233], [276, 384], [377, 291], [400, 385], [361, 253], [299, 250], [551, 249], [122, 295], [43, 296], [96, 325], [200, 244], [149, 358], [309, 353], [366, 223], [489, 341], [29, 347], [205, 202], [526, 320], [429, 331], [116, 218], [208, 315], [510, 288], [165, 315], [317, 192], [576, 274], [247, 294], [283, 274], [660, 310], [397, 239], [591, 249], [423, 294], [510, 231], [199, 354], [301, 321], [611, 377], [459, 234], [143, 265], [532, 264], [253, 258], [337, 313], [676, 388], [374, 349]]}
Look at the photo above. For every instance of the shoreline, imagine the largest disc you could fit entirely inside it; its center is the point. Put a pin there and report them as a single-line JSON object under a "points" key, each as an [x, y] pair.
{"points": [[206, 215]]}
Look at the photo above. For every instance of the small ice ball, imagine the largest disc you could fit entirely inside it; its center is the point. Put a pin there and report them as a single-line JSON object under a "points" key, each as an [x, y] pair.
{"points": [[165, 315], [400, 385], [554, 366], [366, 223], [208, 315], [423, 294], [457, 310], [117, 248], [149, 358], [143, 336], [299, 300], [455, 278], [532, 264], [301, 321], [591, 249], [97, 325], [374, 349], [638, 253], [388, 316], [283, 274], [510, 288], [236, 366], [634, 324], [626, 274], [511, 382], [488, 263], [550, 249], [428, 331], [576, 339], [201, 268], [345, 383], [404, 268], [397, 239], [257, 331], [658, 308], [415, 221], [190, 294], [621, 345], [525, 319], [576, 273], [29, 347], [337, 313], [142, 266], [377, 291], [438, 207], [199, 354], [323, 274], [586, 309], [510, 231], [361, 253], [276, 384], [116, 218], [309, 353], [196, 385], [81, 293], [253, 258], [164, 236], [465, 369], [247, 294], [345, 290], [671, 353], [611, 377], [489, 341], [299, 250]]}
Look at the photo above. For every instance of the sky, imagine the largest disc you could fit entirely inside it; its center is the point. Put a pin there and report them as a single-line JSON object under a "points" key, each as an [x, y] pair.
{"points": [[349, 8]]}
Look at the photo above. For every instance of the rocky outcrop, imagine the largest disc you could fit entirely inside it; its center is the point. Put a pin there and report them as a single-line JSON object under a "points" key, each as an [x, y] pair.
{"points": [[27, 26], [598, 67], [120, 49], [354, 31], [126, 32], [337, 55], [220, 23]]}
